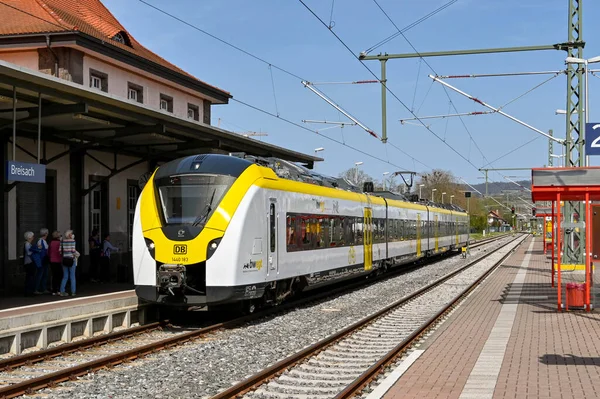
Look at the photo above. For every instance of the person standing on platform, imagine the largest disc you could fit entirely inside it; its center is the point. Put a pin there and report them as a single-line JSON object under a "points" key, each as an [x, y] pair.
{"points": [[69, 259], [95, 249], [28, 264], [55, 262], [40, 258], [107, 248]]}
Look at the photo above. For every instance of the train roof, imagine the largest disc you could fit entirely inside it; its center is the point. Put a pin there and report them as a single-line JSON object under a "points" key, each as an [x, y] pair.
{"points": [[292, 171]]}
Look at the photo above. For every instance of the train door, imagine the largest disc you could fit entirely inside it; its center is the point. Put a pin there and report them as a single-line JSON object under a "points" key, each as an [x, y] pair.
{"points": [[272, 219], [368, 238], [456, 225], [418, 231], [436, 233]]}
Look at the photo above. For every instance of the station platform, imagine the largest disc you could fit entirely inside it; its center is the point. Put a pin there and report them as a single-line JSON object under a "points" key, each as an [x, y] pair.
{"points": [[84, 290], [43, 320], [506, 340]]}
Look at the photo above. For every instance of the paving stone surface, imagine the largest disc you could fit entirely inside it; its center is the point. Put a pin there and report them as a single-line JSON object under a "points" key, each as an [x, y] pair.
{"points": [[544, 354]]}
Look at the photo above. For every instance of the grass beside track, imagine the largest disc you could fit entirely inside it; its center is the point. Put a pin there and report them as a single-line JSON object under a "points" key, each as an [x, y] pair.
{"points": [[479, 236]]}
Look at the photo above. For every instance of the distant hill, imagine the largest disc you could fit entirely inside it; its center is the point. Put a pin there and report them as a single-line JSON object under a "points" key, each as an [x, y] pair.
{"points": [[498, 187]]}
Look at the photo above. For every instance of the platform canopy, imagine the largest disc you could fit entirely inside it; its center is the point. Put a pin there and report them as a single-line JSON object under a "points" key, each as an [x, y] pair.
{"points": [[571, 183], [86, 119]]}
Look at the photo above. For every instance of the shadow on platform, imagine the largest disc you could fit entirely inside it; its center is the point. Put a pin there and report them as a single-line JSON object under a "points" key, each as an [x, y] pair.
{"points": [[570, 360]]}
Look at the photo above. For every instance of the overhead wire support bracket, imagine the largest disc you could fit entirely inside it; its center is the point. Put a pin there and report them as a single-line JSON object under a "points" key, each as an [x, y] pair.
{"points": [[356, 82], [334, 105], [496, 75], [402, 121], [496, 110], [559, 46], [342, 124]]}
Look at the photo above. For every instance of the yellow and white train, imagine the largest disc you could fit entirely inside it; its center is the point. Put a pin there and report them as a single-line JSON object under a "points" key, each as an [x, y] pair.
{"points": [[215, 229]]}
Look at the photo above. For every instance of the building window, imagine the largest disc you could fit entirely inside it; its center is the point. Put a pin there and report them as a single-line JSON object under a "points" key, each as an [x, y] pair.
{"points": [[122, 37], [135, 92], [166, 103], [193, 112], [98, 80]]}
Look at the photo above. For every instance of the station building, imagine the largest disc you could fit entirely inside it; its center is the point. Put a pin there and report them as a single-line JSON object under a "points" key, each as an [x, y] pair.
{"points": [[90, 112]]}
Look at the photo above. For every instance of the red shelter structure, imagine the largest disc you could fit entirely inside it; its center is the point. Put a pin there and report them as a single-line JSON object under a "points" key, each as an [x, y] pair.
{"points": [[568, 184]]}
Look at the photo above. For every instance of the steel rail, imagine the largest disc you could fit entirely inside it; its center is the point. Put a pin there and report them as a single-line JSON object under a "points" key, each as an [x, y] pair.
{"points": [[51, 379], [278, 368], [372, 372], [65, 349]]}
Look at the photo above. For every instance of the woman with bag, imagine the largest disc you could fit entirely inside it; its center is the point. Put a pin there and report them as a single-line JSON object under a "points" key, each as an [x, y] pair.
{"points": [[69, 262], [55, 262]]}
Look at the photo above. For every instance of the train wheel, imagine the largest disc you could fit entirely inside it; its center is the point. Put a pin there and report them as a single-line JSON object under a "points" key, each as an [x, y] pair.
{"points": [[251, 306]]}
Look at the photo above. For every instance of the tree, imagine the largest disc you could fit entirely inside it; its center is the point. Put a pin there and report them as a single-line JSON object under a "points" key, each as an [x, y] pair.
{"points": [[356, 176]]}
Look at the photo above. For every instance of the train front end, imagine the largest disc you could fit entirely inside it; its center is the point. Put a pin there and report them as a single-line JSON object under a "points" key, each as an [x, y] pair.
{"points": [[182, 215]]}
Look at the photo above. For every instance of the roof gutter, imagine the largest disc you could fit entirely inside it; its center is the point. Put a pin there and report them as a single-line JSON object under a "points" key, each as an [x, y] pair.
{"points": [[54, 54]]}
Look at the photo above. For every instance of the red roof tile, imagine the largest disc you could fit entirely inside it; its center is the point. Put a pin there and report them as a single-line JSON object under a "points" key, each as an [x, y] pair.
{"points": [[87, 16]]}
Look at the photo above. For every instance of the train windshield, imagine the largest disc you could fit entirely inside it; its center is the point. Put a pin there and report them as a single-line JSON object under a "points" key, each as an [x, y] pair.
{"points": [[191, 199]]}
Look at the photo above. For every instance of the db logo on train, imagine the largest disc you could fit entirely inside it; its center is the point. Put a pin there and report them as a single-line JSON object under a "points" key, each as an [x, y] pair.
{"points": [[180, 249]]}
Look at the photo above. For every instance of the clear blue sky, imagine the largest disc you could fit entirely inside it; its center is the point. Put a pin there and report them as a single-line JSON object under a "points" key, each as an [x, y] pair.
{"points": [[285, 34]]}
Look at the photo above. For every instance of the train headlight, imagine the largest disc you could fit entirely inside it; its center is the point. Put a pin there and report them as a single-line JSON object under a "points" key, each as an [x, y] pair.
{"points": [[212, 247], [150, 245]]}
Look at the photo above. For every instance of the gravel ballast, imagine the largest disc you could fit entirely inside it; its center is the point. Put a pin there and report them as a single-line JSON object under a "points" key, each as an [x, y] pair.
{"points": [[202, 368]]}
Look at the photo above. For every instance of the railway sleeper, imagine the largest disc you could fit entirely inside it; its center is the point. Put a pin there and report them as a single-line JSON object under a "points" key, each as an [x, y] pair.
{"points": [[310, 381], [286, 389], [356, 361], [319, 375], [358, 352], [314, 367]]}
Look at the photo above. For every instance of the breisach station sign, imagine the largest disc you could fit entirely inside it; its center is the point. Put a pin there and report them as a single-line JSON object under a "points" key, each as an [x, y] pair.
{"points": [[25, 172]]}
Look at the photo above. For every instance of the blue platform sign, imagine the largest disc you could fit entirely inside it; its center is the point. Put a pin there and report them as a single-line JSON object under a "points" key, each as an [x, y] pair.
{"points": [[25, 172], [592, 139]]}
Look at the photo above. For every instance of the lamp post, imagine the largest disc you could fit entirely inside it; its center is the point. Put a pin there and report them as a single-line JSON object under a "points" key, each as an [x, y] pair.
{"points": [[384, 177], [420, 187], [443, 197], [575, 60], [317, 150], [452, 196], [356, 165], [433, 190]]}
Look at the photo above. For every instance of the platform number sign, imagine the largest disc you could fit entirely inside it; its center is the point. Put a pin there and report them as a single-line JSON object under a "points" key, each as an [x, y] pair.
{"points": [[592, 139]]}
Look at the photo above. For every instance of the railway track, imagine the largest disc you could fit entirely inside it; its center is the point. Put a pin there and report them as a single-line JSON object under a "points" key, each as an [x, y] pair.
{"points": [[341, 365], [27, 373]]}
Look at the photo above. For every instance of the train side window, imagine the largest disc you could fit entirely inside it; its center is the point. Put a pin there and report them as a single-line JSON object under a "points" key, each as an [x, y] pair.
{"points": [[358, 230], [307, 233], [272, 232], [332, 236], [349, 230], [320, 226], [291, 233]]}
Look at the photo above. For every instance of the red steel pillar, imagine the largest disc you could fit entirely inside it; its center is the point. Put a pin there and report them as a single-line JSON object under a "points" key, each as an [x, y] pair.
{"points": [[558, 244], [552, 242], [588, 249]]}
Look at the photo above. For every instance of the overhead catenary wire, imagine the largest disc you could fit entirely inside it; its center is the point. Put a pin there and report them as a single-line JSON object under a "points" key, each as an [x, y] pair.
{"points": [[234, 99], [385, 86], [446, 91], [433, 70], [392, 93], [314, 131], [408, 27]]}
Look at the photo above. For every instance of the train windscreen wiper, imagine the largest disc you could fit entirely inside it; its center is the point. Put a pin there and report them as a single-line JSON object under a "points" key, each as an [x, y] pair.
{"points": [[202, 218]]}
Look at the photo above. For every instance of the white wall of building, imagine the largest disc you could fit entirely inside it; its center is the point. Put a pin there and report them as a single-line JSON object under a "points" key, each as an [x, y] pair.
{"points": [[117, 194], [119, 77]]}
